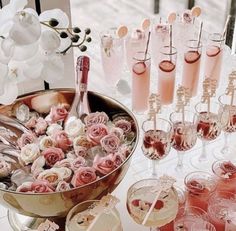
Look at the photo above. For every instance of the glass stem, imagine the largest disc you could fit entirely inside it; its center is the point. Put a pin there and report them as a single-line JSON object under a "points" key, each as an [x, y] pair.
{"points": [[154, 167], [203, 156], [180, 160], [226, 143]]}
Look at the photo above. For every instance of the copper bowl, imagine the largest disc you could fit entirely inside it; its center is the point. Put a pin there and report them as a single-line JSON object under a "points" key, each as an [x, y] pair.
{"points": [[58, 204]]}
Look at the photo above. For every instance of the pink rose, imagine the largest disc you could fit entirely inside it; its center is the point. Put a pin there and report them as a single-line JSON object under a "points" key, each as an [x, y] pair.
{"points": [[41, 126], [63, 163], [57, 113], [5, 168], [37, 166], [77, 163], [110, 143], [80, 151], [26, 138], [41, 186], [53, 155], [117, 159], [124, 125], [63, 186], [117, 132], [104, 165], [96, 118], [96, 132], [83, 176], [52, 176], [25, 187], [62, 140], [31, 123]]}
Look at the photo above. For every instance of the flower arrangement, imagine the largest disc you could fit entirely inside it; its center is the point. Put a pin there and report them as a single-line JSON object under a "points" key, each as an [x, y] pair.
{"points": [[32, 45], [58, 159]]}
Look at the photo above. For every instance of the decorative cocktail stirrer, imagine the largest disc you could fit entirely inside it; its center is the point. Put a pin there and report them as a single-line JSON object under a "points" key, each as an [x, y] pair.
{"points": [[230, 90], [154, 108], [105, 205], [164, 185], [209, 89], [183, 98]]}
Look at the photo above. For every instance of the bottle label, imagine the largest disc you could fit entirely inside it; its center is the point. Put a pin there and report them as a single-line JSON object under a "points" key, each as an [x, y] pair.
{"points": [[83, 87]]}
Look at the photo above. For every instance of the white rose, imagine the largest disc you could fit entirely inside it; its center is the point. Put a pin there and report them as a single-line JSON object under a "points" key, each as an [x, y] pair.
{"points": [[29, 153], [65, 173], [53, 128], [74, 128], [5, 168], [46, 142], [52, 176]]}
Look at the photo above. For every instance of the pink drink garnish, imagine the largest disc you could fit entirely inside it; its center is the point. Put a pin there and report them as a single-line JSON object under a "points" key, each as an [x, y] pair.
{"points": [[139, 68], [196, 187], [192, 56], [213, 51], [228, 167], [166, 66], [139, 203]]}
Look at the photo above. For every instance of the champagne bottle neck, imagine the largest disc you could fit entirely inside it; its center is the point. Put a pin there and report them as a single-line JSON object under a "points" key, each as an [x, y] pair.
{"points": [[82, 73]]}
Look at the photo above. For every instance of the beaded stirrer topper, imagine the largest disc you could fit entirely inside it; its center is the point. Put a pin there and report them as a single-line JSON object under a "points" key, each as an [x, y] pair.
{"points": [[209, 90], [230, 90]]}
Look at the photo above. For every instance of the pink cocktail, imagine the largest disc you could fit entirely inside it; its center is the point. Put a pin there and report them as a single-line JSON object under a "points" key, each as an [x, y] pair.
{"points": [[140, 82], [191, 66], [214, 55], [166, 74], [225, 172], [199, 186]]}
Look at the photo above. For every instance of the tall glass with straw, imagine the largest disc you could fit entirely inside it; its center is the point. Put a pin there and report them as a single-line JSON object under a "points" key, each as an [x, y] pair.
{"points": [[209, 122], [227, 103], [184, 127], [157, 134]]}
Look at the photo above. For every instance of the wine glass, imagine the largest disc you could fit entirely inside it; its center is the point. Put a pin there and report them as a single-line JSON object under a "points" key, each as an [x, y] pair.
{"points": [[156, 143], [209, 125], [199, 186], [112, 55], [184, 135], [140, 197], [225, 172], [188, 216], [228, 126], [79, 218]]}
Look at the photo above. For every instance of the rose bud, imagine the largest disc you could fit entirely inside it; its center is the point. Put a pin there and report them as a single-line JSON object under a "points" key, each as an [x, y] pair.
{"points": [[41, 126], [77, 163], [83, 176], [110, 143], [74, 128], [46, 142], [31, 123], [117, 132], [52, 128], [96, 118], [62, 140], [41, 186], [29, 153], [96, 132], [57, 114], [104, 165], [80, 151], [62, 186], [26, 138], [124, 125], [5, 168], [117, 159], [52, 155]]}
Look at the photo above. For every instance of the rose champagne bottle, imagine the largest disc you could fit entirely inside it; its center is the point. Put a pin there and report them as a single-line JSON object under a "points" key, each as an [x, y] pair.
{"points": [[80, 106]]}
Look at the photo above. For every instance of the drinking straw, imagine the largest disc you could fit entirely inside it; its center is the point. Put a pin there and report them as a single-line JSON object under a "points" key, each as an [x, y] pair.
{"points": [[199, 35], [170, 41], [147, 45]]}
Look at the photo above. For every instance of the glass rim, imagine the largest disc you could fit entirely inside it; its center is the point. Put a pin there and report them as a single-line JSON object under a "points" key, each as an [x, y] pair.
{"points": [[226, 104], [174, 112], [217, 162], [185, 209], [139, 181], [209, 224], [173, 52], [193, 47], [169, 123], [199, 103], [148, 56], [211, 37]]}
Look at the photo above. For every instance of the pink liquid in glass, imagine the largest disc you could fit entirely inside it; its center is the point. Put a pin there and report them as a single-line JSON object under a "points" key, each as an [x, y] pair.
{"points": [[213, 62], [166, 81], [191, 68], [140, 86]]}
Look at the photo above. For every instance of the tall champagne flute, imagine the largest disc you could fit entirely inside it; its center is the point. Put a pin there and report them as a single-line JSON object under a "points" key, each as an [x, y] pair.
{"points": [[209, 125], [191, 66], [214, 55], [156, 143], [184, 135], [80, 219], [228, 126], [140, 82], [140, 197], [112, 54], [166, 74]]}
